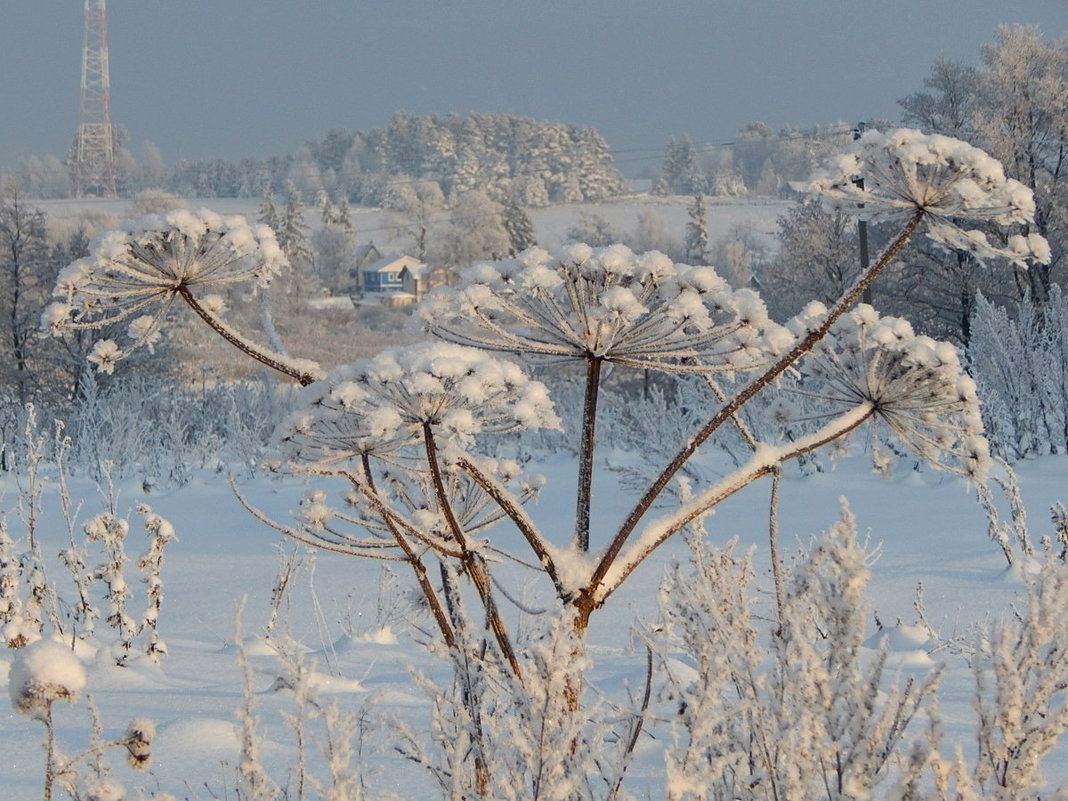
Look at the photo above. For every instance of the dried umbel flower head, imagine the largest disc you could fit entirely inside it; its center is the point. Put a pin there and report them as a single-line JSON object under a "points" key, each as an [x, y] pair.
{"points": [[138, 742], [43, 672], [135, 272], [378, 406], [906, 171], [608, 303], [915, 386]]}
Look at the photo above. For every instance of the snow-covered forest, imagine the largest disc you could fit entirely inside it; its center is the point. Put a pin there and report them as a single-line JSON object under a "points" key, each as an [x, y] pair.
{"points": [[590, 520]]}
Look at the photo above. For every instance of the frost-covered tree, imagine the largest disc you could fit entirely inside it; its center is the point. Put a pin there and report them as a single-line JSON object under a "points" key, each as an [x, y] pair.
{"points": [[1013, 105], [292, 233], [697, 231], [474, 230], [25, 271], [817, 257], [43, 177], [651, 233], [1023, 121], [949, 107], [519, 226], [334, 248], [593, 229], [1020, 362], [740, 254], [682, 171], [419, 205]]}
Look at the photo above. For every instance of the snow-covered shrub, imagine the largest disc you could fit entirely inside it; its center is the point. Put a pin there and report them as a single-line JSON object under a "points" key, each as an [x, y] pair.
{"points": [[1020, 362], [162, 430], [34, 599], [1021, 672], [817, 719]]}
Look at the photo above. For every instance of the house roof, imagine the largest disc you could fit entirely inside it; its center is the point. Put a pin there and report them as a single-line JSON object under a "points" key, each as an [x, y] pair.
{"points": [[365, 252], [394, 264]]}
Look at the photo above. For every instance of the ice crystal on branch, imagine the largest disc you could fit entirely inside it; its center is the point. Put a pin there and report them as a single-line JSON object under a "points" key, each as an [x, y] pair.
{"points": [[915, 385], [905, 171], [606, 303]]}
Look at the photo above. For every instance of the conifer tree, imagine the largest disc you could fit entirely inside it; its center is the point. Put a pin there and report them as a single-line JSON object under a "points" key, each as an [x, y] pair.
{"points": [[681, 170], [697, 232], [292, 233], [519, 226], [268, 212], [342, 217]]}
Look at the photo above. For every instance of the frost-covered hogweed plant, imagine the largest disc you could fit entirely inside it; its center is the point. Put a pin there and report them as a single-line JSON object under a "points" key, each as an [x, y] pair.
{"points": [[136, 274], [397, 427], [406, 432], [915, 387], [907, 172], [606, 304], [603, 306], [378, 406]]}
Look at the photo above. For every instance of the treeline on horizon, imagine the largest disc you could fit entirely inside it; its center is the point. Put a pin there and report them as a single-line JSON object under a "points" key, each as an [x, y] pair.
{"points": [[533, 163]]}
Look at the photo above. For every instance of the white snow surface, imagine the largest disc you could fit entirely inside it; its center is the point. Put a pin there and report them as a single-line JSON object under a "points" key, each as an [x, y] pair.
{"points": [[926, 524]]}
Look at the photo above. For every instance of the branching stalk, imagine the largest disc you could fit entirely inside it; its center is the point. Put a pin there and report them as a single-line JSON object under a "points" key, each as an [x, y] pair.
{"points": [[472, 561], [728, 410]]}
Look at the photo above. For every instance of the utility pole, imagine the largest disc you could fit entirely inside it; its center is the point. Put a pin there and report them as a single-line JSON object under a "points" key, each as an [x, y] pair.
{"points": [[92, 161], [862, 224]]}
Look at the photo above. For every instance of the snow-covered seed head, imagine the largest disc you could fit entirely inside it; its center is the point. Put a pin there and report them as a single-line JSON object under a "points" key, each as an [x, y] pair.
{"points": [[138, 742], [378, 406], [43, 672], [950, 181], [134, 272], [640, 310], [915, 385]]}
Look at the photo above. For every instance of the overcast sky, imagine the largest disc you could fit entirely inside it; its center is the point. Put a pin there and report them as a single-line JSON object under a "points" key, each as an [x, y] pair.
{"points": [[229, 78]]}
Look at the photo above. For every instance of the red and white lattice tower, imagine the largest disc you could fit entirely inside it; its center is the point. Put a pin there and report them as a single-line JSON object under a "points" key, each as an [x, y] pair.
{"points": [[93, 154]]}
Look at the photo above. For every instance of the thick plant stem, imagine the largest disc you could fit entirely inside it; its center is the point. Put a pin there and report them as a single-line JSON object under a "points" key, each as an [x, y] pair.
{"points": [[468, 693], [50, 745], [773, 541], [263, 356], [589, 430], [728, 410], [413, 560], [513, 508], [472, 562]]}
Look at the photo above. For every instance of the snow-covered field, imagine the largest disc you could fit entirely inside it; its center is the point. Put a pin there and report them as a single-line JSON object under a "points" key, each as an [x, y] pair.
{"points": [[551, 224], [358, 629]]}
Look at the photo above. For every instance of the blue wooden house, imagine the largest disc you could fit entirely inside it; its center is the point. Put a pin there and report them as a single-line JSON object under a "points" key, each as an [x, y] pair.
{"points": [[385, 275]]}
